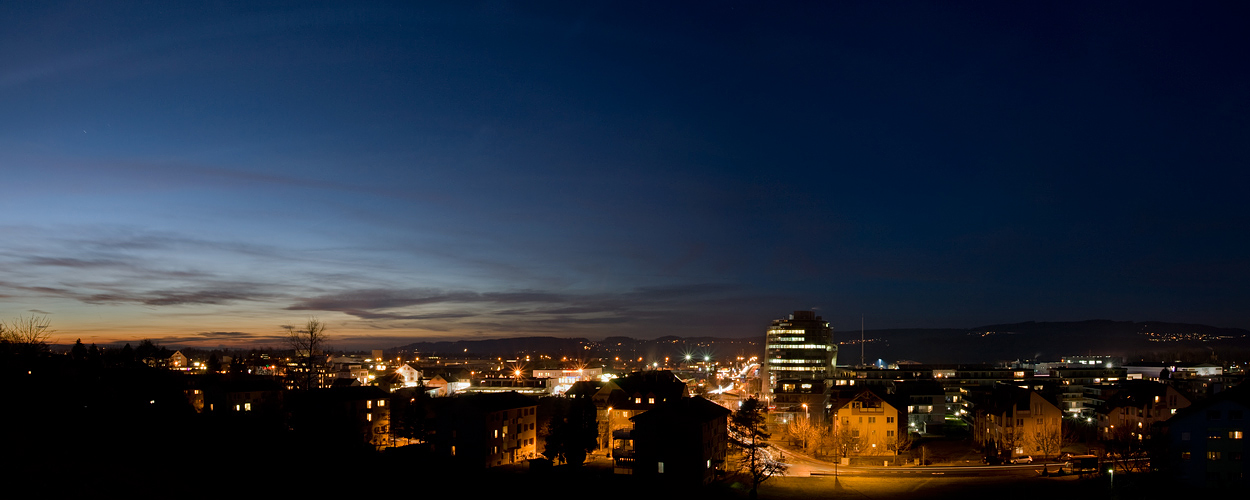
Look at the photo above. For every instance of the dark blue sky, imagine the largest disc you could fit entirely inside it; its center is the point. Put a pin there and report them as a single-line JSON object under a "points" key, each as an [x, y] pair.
{"points": [[203, 173]]}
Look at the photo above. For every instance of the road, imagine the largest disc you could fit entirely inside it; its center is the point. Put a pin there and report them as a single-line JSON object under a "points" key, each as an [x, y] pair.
{"points": [[930, 486], [800, 465]]}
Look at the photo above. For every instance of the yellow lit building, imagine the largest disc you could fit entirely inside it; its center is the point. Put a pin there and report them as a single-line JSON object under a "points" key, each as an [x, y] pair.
{"points": [[867, 425], [1018, 422]]}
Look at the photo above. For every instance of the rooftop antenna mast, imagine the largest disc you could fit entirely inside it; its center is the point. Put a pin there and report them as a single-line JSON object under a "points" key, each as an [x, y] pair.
{"points": [[861, 340]]}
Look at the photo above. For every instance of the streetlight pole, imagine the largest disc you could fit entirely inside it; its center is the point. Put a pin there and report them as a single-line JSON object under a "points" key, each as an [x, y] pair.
{"points": [[808, 424]]}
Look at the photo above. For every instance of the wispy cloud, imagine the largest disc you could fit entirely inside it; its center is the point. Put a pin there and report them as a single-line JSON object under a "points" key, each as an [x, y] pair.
{"points": [[235, 293], [226, 335], [526, 310]]}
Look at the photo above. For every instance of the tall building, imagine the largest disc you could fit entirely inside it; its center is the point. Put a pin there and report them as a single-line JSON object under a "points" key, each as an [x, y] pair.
{"points": [[798, 348]]}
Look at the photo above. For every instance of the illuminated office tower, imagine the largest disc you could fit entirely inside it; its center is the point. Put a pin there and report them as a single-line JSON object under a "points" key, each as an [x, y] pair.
{"points": [[798, 348]]}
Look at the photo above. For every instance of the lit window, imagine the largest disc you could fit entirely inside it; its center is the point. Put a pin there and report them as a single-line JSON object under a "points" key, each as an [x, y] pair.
{"points": [[368, 404], [1234, 434], [369, 417], [637, 401], [381, 403], [650, 401], [247, 406], [1213, 455]]}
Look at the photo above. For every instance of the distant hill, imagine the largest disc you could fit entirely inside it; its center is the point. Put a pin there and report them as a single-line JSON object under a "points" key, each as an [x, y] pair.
{"points": [[581, 348], [554, 346], [1048, 341]]}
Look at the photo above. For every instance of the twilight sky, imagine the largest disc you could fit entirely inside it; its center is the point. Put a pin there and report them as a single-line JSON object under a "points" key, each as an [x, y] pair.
{"points": [[201, 174]]}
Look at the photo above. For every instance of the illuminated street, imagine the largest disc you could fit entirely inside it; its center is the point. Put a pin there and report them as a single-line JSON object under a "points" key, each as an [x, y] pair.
{"points": [[1014, 484]]}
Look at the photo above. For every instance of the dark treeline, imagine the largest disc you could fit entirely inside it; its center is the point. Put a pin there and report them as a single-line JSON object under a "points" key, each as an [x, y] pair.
{"points": [[108, 419]]}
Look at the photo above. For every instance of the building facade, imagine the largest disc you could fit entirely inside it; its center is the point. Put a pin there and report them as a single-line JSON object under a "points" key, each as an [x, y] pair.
{"points": [[798, 348], [682, 441], [866, 425], [1207, 441], [489, 430], [1012, 422], [1136, 407]]}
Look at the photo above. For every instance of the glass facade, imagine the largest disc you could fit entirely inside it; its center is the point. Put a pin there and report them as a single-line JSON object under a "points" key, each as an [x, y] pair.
{"points": [[800, 347]]}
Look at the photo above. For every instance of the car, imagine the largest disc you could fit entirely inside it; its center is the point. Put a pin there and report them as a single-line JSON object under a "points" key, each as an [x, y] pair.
{"points": [[1027, 459]]}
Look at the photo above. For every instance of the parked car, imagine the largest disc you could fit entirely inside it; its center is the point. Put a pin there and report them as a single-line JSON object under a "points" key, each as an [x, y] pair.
{"points": [[1027, 459]]}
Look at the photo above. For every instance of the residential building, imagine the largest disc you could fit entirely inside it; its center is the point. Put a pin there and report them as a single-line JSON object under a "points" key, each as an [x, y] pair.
{"points": [[868, 425], [1207, 441], [562, 379], [486, 430], [359, 414], [178, 361], [926, 405], [409, 376], [682, 441], [620, 399], [799, 398], [1136, 407], [446, 384], [1010, 421]]}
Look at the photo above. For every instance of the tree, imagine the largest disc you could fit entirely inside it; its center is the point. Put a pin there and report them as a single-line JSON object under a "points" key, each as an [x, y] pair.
{"points": [[79, 351], [127, 355], [1013, 440], [748, 432], [238, 366], [903, 442], [805, 432], [553, 445], [410, 417], [842, 440], [27, 334], [1126, 448], [307, 343], [572, 432], [1049, 439], [151, 353]]}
